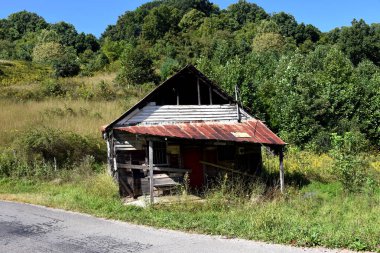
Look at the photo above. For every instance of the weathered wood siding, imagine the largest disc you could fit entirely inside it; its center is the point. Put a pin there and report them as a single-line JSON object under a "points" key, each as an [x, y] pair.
{"points": [[153, 114]]}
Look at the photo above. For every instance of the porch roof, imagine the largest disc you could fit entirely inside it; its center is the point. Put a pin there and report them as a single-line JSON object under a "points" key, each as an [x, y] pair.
{"points": [[249, 131]]}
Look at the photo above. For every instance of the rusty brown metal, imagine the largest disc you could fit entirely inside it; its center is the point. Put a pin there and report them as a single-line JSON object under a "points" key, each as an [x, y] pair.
{"points": [[252, 131]]}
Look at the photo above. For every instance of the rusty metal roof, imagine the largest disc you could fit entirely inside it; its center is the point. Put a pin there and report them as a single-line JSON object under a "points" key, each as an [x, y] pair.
{"points": [[250, 131]]}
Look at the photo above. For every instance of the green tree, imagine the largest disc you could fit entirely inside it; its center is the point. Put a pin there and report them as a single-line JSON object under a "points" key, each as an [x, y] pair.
{"points": [[86, 41], [351, 169], [367, 100], [67, 33], [168, 67], [287, 24], [128, 27], [23, 22], [159, 21], [136, 67], [306, 32], [359, 42], [185, 6], [7, 49], [244, 12], [112, 49], [47, 52], [272, 42], [67, 64], [191, 20], [62, 59], [24, 46], [46, 35]]}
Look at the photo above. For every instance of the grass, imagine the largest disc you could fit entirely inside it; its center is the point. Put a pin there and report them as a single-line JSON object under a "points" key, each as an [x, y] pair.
{"points": [[22, 73], [80, 116], [314, 212], [318, 215]]}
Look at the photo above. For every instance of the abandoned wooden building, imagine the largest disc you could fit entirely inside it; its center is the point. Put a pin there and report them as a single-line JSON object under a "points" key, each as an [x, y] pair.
{"points": [[186, 125]]}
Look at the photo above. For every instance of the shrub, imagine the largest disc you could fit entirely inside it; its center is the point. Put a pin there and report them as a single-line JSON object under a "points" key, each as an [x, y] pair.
{"points": [[52, 87], [50, 145], [12, 165], [66, 66], [350, 167], [7, 162], [106, 91]]}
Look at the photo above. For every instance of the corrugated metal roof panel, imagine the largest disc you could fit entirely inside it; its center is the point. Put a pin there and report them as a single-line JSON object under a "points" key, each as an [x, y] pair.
{"points": [[153, 114], [253, 131]]}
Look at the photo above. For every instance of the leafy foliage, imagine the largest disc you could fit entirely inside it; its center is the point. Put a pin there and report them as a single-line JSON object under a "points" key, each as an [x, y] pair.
{"points": [[47, 144], [136, 66], [351, 169], [304, 83]]}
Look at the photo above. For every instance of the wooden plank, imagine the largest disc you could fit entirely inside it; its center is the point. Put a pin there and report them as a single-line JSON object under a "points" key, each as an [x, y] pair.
{"points": [[130, 115], [187, 112], [220, 94], [188, 117], [282, 174], [225, 168], [199, 92], [167, 169], [187, 106], [237, 104], [126, 187], [166, 179], [114, 164], [132, 166], [151, 181], [184, 116], [177, 93], [185, 119], [210, 94], [146, 168], [184, 107]]}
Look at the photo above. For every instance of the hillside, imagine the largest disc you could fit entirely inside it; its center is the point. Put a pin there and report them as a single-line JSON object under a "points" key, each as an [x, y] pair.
{"points": [[323, 82], [320, 92]]}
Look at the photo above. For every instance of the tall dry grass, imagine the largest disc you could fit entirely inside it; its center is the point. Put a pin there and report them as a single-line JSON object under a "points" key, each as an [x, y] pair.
{"points": [[80, 116]]}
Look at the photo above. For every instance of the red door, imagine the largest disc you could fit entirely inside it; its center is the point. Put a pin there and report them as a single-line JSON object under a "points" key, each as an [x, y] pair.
{"points": [[191, 158]]}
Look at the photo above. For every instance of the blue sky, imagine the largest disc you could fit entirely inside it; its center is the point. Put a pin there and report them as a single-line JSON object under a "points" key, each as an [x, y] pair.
{"points": [[93, 16]]}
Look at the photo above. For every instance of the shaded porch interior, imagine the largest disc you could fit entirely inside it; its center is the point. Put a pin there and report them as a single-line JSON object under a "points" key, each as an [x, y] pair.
{"points": [[204, 162]]}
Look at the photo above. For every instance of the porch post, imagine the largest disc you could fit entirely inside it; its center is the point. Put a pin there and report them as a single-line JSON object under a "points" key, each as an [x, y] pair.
{"points": [[199, 92], [281, 156], [210, 94], [151, 183]]}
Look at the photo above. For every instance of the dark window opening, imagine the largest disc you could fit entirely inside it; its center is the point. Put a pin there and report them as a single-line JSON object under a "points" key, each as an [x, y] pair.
{"points": [[159, 153], [226, 153]]}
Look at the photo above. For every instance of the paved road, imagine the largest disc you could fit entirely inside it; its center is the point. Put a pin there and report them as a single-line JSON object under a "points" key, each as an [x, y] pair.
{"points": [[30, 228]]}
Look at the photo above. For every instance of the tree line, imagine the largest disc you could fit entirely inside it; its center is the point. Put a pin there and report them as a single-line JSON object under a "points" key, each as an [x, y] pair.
{"points": [[304, 83]]}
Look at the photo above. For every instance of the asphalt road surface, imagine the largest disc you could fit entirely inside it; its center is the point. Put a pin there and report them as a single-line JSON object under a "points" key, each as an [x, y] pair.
{"points": [[30, 228]]}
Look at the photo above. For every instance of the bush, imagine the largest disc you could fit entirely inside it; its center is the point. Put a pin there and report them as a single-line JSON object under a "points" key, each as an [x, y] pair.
{"points": [[66, 67], [98, 62], [350, 167], [12, 165], [52, 88], [52, 145], [7, 162], [106, 91]]}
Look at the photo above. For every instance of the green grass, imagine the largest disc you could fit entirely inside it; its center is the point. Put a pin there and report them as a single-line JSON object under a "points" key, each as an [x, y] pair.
{"points": [[320, 214]]}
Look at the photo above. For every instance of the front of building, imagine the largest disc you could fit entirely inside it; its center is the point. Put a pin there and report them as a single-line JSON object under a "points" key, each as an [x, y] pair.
{"points": [[187, 125]]}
